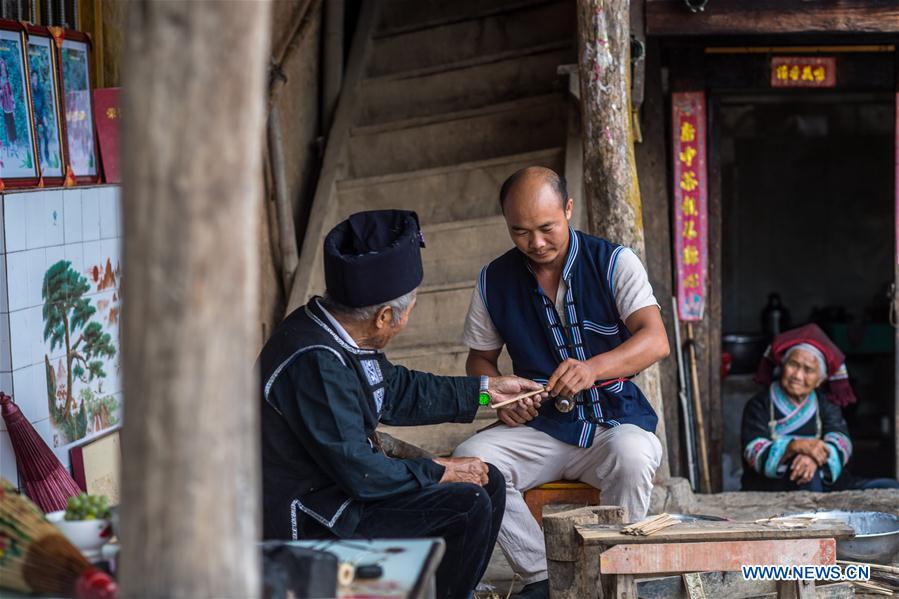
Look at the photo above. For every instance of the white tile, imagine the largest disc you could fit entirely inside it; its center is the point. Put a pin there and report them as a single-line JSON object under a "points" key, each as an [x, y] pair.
{"points": [[74, 253], [5, 354], [15, 222], [73, 217], [52, 438], [4, 296], [36, 267], [36, 219], [108, 213], [90, 215], [110, 249], [39, 384], [92, 257], [54, 218], [17, 280], [55, 253], [117, 193], [112, 383], [30, 394], [39, 347], [8, 468], [19, 339]]}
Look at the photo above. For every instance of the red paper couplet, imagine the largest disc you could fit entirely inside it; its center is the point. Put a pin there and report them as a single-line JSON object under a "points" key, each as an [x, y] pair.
{"points": [[690, 202]]}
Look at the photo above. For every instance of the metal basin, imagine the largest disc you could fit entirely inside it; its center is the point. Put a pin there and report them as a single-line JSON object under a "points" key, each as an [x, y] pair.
{"points": [[876, 534]]}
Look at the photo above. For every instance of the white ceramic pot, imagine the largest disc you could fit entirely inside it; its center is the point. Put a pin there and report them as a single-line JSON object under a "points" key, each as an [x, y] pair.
{"points": [[87, 535]]}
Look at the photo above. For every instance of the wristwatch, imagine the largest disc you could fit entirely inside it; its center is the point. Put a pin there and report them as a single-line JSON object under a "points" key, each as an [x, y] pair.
{"points": [[484, 394]]}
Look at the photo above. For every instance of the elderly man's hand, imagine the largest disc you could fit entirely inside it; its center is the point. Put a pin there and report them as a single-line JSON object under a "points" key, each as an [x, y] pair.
{"points": [[802, 469], [463, 470], [504, 388]]}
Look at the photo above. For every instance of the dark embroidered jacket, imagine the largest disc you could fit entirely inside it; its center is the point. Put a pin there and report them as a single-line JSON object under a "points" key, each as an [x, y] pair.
{"points": [[322, 399], [771, 421]]}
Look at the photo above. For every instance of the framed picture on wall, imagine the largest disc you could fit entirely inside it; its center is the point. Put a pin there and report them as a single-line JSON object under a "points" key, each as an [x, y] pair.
{"points": [[18, 154], [81, 143], [43, 74], [96, 465]]}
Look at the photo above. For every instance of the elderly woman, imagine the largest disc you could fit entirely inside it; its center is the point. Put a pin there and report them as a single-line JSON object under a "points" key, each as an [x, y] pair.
{"points": [[794, 436]]}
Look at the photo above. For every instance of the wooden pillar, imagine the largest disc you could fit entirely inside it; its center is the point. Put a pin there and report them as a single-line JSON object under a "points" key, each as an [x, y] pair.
{"points": [[611, 189], [714, 398], [652, 168], [192, 145]]}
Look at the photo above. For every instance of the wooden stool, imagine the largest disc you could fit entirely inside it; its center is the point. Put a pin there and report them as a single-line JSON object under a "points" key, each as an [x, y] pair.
{"points": [[560, 491]]}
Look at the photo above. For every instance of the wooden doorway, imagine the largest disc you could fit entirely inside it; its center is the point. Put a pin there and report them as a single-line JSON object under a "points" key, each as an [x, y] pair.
{"points": [[802, 202]]}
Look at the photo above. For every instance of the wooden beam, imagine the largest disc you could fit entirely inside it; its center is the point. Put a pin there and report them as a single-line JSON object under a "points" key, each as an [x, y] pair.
{"points": [[739, 17], [720, 556], [194, 112]]}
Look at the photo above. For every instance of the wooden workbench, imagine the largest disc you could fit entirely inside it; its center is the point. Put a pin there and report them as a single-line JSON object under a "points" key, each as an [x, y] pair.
{"points": [[574, 546]]}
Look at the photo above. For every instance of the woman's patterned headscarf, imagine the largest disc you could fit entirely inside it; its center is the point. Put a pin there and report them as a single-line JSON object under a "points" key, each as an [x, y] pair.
{"points": [[840, 391]]}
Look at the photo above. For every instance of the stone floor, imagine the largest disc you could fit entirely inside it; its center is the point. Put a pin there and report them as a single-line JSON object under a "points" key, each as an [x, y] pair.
{"points": [[676, 497]]}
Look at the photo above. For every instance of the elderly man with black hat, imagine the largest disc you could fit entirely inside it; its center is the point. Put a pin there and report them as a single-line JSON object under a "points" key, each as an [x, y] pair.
{"points": [[326, 384]]}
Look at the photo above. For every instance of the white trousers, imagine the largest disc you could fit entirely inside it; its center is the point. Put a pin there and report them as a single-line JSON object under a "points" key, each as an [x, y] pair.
{"points": [[621, 463]]}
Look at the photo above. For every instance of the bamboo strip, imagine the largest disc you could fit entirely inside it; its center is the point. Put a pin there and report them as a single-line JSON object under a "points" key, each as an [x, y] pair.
{"points": [[518, 398], [649, 526]]}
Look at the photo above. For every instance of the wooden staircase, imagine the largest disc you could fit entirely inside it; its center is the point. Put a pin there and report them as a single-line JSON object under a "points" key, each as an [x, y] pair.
{"points": [[443, 100]]}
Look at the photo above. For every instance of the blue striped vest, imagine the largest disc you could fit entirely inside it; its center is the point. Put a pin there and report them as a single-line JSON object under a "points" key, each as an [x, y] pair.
{"points": [[538, 340]]}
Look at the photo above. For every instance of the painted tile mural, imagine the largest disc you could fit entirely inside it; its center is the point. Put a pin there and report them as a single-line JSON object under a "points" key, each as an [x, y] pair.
{"points": [[80, 317], [61, 272]]}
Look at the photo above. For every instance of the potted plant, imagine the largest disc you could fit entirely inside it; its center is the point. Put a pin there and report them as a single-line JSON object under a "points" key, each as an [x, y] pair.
{"points": [[85, 522]]}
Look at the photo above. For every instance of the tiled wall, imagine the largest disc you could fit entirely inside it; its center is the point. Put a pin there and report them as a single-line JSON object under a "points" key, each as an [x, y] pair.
{"points": [[40, 229]]}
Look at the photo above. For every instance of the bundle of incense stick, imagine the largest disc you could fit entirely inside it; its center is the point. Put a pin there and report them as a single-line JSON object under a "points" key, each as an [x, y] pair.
{"points": [[873, 589], [36, 558], [517, 398], [650, 526]]}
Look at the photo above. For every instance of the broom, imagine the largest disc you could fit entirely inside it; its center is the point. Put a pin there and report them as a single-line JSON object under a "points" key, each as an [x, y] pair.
{"points": [[36, 558], [46, 480]]}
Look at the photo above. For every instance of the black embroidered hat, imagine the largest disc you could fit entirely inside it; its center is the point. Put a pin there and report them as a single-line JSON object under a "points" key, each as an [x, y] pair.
{"points": [[373, 257]]}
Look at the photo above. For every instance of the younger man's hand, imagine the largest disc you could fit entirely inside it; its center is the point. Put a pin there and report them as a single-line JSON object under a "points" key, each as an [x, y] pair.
{"points": [[519, 412], [570, 378]]}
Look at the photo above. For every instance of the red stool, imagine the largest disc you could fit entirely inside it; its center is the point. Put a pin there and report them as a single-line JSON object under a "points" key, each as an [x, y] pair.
{"points": [[559, 491]]}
